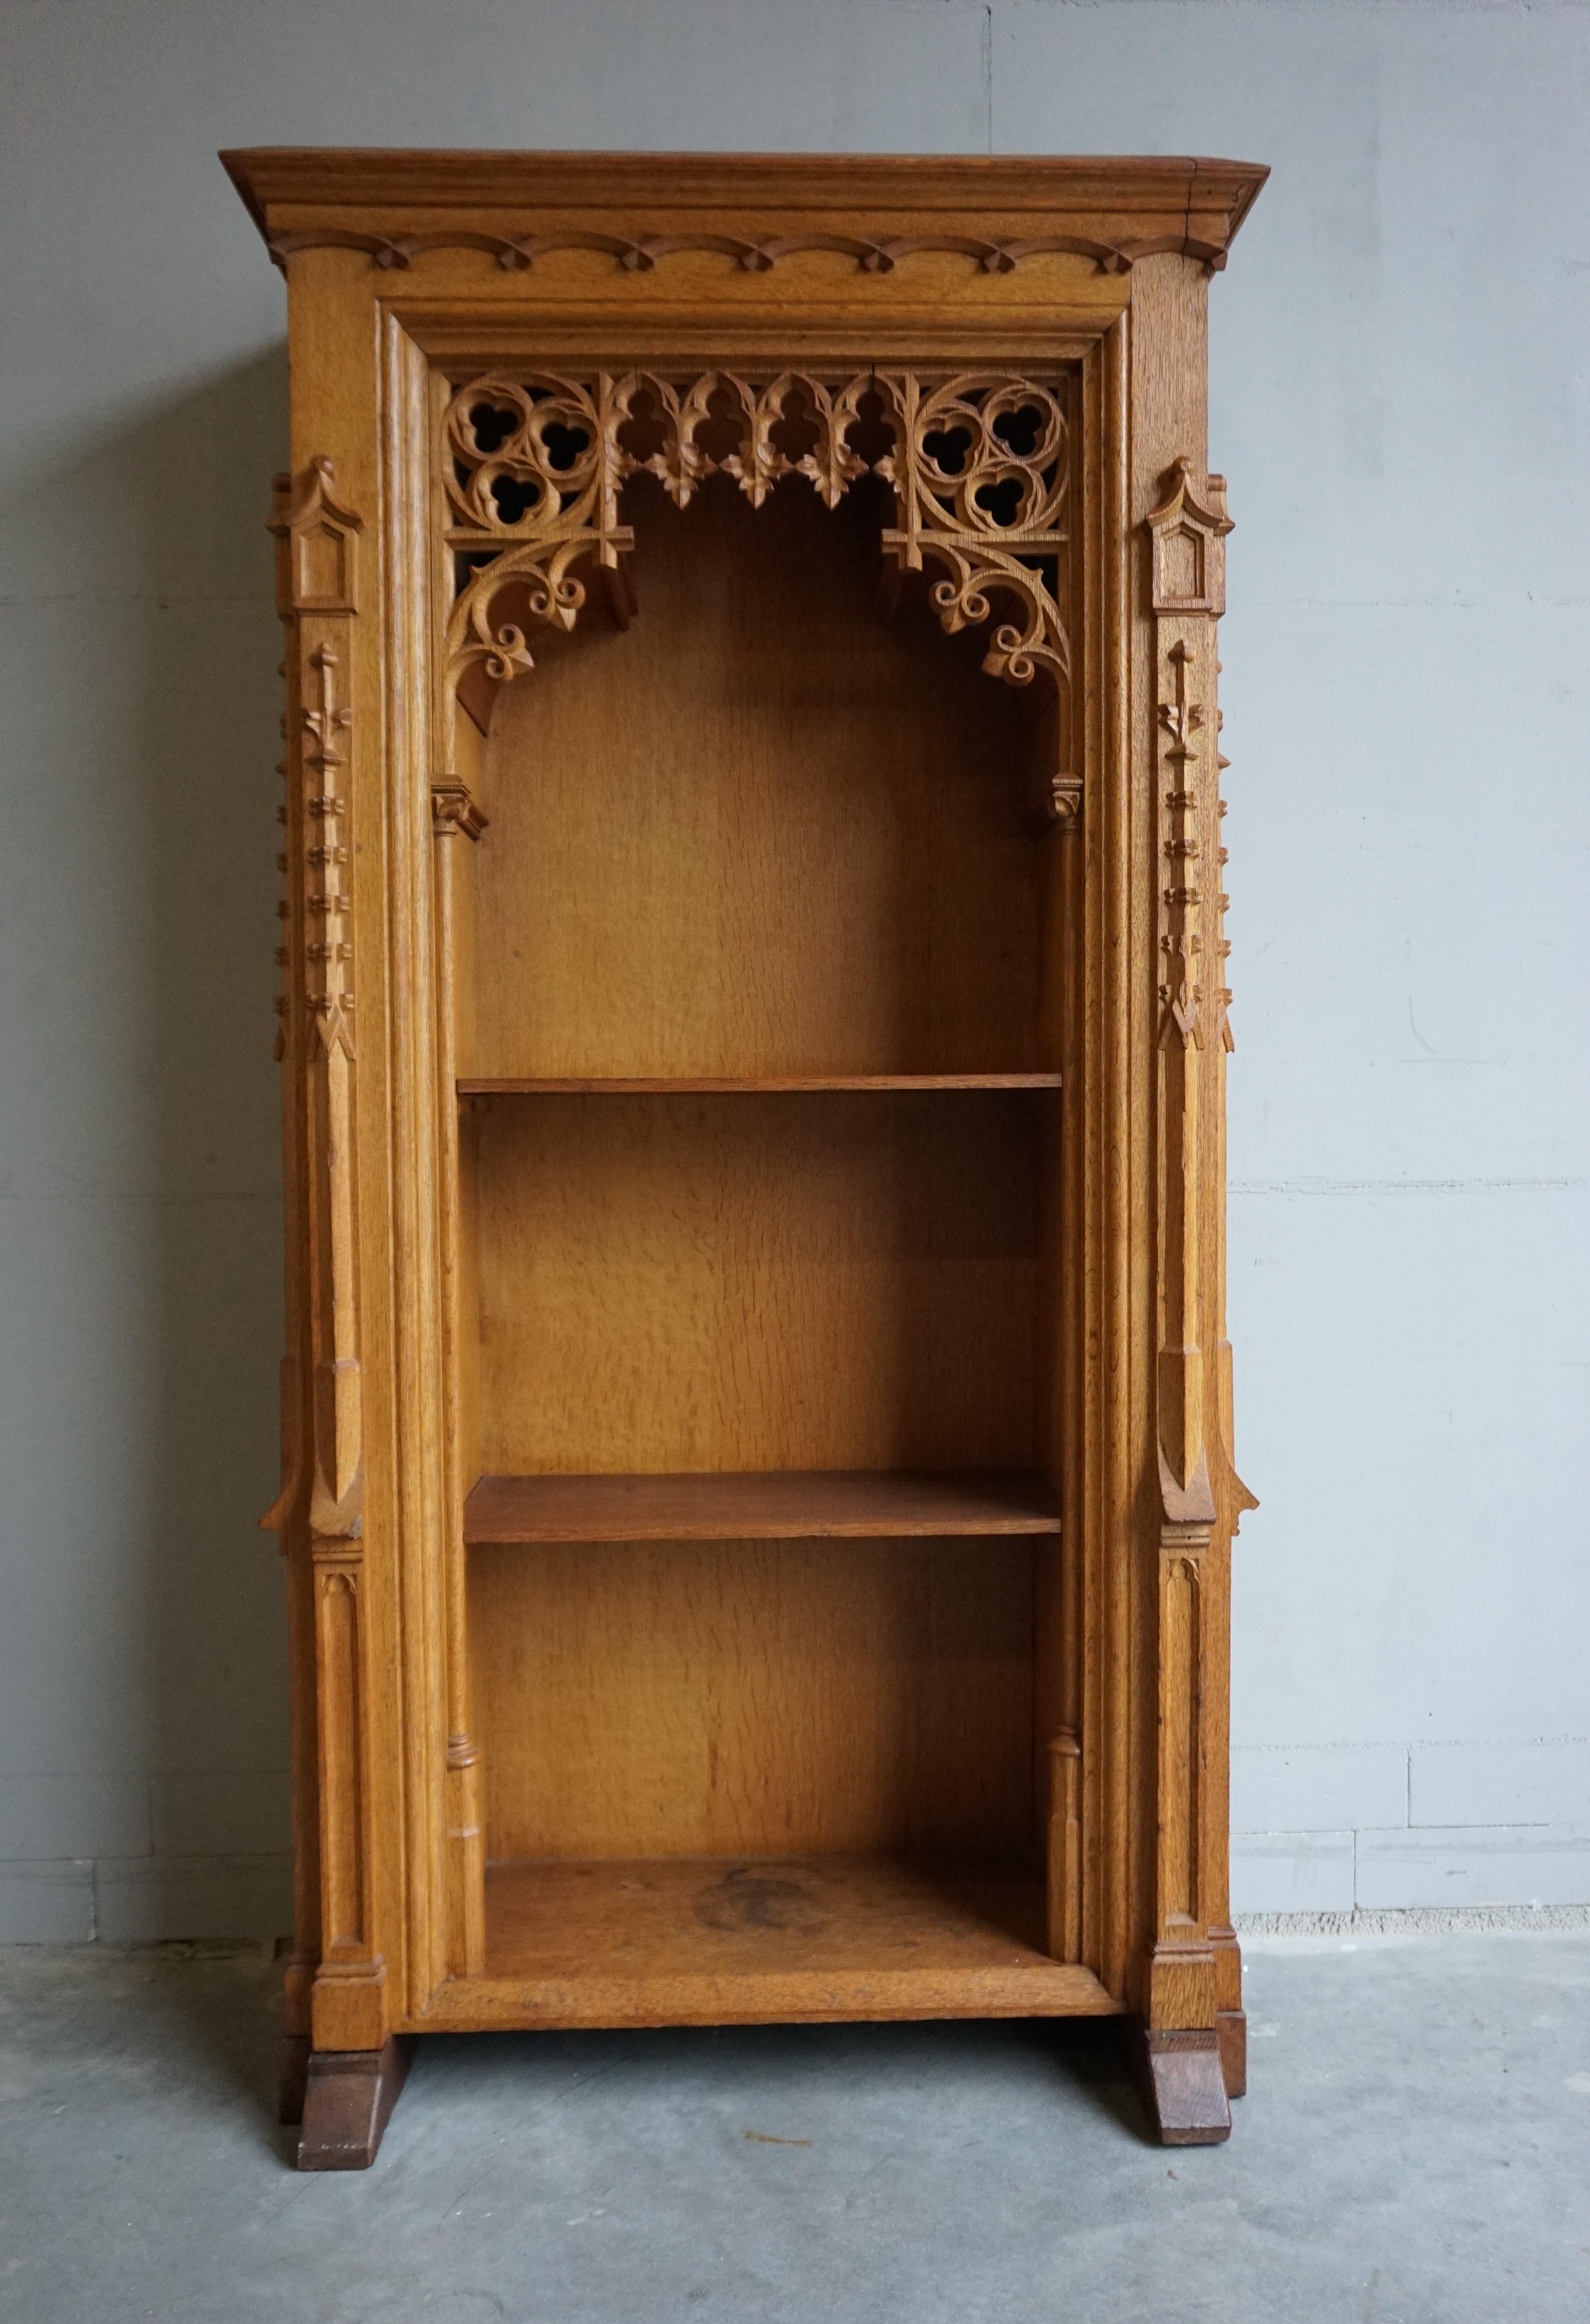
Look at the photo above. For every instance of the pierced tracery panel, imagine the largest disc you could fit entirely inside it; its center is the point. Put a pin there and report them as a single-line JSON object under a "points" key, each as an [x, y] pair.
{"points": [[979, 465]]}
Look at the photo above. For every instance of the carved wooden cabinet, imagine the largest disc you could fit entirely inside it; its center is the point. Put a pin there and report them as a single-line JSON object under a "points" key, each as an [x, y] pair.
{"points": [[757, 1485]]}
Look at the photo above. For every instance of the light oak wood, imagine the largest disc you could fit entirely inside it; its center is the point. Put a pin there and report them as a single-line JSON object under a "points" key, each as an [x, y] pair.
{"points": [[690, 1283], [833, 1505], [606, 780], [689, 1699], [753, 1084], [701, 865], [744, 1940]]}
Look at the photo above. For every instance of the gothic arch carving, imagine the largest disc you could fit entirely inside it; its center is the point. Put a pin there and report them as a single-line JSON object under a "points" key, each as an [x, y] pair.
{"points": [[979, 464]]}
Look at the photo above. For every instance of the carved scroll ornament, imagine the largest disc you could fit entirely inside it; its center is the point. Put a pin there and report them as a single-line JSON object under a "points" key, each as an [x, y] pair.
{"points": [[535, 464]]}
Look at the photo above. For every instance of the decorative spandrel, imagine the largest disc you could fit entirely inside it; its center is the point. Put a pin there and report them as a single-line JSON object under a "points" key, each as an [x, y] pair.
{"points": [[535, 464], [980, 482]]}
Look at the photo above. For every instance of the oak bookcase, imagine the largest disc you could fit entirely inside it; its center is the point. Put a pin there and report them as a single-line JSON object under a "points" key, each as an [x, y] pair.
{"points": [[757, 1483]]}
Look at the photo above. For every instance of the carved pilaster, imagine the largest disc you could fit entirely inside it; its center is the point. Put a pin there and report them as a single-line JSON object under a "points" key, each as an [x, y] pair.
{"points": [[1065, 1846], [1186, 538], [287, 1516], [318, 543], [454, 815]]}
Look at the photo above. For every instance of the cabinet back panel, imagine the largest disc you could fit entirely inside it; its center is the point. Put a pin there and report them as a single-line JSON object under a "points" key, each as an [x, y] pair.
{"points": [[844, 1281], [720, 1698], [761, 831]]}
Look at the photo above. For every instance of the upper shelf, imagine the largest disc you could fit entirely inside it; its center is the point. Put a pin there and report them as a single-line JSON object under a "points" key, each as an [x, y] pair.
{"points": [[685, 1085], [778, 1505]]}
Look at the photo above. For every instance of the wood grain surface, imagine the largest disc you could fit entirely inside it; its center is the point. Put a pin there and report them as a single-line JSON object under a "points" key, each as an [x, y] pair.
{"points": [[662, 1699], [696, 1283], [739, 1941], [760, 832], [787, 1504], [787, 1084], [763, 844]]}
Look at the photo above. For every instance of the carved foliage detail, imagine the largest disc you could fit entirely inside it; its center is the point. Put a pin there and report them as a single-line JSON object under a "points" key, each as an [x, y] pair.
{"points": [[534, 466]]}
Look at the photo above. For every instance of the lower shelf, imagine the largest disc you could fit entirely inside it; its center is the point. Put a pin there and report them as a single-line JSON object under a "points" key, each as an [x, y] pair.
{"points": [[737, 1940]]}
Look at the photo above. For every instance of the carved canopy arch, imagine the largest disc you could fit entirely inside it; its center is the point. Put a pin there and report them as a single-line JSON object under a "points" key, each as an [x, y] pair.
{"points": [[534, 464]]}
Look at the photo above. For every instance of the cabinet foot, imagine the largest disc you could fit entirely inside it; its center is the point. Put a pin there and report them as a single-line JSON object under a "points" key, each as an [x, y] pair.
{"points": [[1180, 2081], [348, 2095], [1232, 2028]]}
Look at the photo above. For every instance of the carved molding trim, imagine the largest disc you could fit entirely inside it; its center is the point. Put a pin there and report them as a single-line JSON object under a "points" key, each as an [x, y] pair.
{"points": [[639, 253], [535, 464]]}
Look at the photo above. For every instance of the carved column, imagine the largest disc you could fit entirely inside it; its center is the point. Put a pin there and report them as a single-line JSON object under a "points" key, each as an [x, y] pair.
{"points": [[1186, 540], [317, 580], [455, 816], [287, 1516]]}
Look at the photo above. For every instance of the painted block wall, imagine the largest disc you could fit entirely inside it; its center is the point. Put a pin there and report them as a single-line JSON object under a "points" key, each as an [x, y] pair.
{"points": [[1401, 400]]}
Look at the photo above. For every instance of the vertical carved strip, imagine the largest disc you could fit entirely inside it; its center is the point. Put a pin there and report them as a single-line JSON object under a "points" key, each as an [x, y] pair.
{"points": [[454, 816], [1065, 1846], [287, 1516], [343, 1892], [318, 539], [1186, 538], [1180, 1736], [1233, 1499], [1225, 1427]]}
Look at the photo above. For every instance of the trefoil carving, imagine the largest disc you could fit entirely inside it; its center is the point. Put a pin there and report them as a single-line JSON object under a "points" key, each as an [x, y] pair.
{"points": [[534, 467]]}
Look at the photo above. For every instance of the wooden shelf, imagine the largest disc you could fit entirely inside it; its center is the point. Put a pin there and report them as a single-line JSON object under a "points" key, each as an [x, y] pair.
{"points": [[791, 1505], [778, 1083], [702, 1940]]}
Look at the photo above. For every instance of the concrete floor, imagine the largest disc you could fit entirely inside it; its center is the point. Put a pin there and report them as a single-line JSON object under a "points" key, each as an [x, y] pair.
{"points": [[1416, 2151]]}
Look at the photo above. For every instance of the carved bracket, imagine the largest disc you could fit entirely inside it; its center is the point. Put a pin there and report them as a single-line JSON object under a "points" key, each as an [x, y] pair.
{"points": [[454, 808]]}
